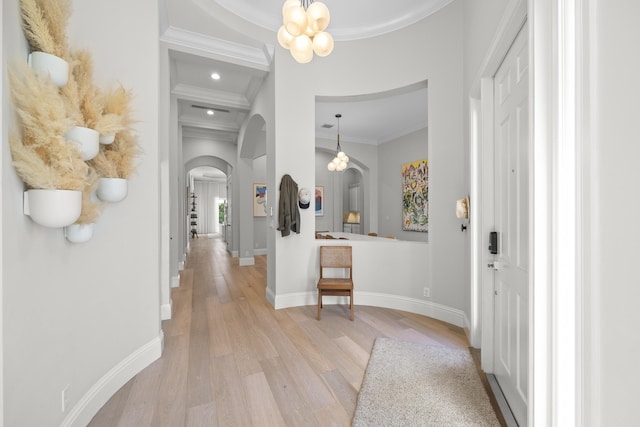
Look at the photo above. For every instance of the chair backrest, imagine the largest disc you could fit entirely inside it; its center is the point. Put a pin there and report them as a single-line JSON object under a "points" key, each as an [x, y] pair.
{"points": [[335, 257]]}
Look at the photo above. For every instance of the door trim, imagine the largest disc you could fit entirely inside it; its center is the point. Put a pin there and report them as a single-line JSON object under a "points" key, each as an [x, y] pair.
{"points": [[482, 152]]}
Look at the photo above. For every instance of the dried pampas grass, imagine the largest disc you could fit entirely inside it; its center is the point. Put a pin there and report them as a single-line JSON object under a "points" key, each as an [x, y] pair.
{"points": [[38, 104], [80, 96], [44, 23], [116, 160], [64, 169], [91, 208], [42, 156], [116, 113]]}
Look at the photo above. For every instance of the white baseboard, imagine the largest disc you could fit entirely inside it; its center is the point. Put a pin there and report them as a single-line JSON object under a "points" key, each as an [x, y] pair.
{"points": [[247, 261], [260, 251], [234, 254], [175, 282], [426, 308], [101, 392], [467, 326], [165, 311], [270, 296], [181, 266]]}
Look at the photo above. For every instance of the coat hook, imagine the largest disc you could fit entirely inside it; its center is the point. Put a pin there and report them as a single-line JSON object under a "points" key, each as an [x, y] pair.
{"points": [[463, 227]]}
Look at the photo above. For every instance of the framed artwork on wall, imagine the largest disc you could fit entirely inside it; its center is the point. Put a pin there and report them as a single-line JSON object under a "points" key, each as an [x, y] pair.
{"points": [[415, 196], [259, 199], [319, 201]]}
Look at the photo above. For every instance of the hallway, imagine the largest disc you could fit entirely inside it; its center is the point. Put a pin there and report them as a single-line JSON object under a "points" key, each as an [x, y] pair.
{"points": [[230, 359]]}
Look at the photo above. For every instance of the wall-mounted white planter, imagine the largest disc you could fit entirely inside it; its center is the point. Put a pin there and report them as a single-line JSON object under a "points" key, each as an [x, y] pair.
{"points": [[112, 189], [44, 64], [107, 139], [53, 208], [78, 233], [87, 140]]}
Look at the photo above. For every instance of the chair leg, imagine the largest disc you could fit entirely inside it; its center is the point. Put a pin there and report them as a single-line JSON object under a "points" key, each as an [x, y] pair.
{"points": [[319, 302], [351, 304]]}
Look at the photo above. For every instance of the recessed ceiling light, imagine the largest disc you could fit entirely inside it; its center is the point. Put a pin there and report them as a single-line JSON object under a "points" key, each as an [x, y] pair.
{"points": [[210, 112], [215, 76]]}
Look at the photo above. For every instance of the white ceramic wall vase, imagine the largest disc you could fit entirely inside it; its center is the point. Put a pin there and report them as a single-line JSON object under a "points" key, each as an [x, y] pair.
{"points": [[53, 208], [112, 189], [78, 233], [45, 64], [107, 139], [87, 140]]}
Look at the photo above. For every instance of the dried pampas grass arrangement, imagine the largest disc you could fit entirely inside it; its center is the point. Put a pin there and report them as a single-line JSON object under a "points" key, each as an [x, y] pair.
{"points": [[45, 25], [42, 156]]}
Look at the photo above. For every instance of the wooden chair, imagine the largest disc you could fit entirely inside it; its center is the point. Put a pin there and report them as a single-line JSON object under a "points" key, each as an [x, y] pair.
{"points": [[335, 257]]}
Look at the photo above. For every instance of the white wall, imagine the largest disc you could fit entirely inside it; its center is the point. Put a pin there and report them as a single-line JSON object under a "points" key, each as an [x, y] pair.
{"points": [[481, 21], [612, 293], [74, 312], [356, 68]]}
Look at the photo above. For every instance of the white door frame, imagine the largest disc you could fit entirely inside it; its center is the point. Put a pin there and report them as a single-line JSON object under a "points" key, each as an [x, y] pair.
{"points": [[556, 29]]}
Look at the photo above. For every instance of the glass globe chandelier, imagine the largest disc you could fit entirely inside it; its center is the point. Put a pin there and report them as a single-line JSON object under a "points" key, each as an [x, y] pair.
{"points": [[341, 160], [303, 29]]}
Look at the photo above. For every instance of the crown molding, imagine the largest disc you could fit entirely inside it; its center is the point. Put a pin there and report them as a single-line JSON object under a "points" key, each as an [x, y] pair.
{"points": [[209, 96], [191, 42], [272, 21]]}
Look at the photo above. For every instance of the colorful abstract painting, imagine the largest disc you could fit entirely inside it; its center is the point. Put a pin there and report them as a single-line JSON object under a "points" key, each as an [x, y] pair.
{"points": [[415, 196], [259, 199]]}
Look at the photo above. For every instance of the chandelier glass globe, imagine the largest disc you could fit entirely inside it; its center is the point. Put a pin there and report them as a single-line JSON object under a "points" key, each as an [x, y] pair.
{"points": [[295, 20], [323, 43], [302, 49]]}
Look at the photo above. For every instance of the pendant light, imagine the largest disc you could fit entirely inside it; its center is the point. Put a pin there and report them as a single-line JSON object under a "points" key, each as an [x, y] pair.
{"points": [[302, 30], [341, 160]]}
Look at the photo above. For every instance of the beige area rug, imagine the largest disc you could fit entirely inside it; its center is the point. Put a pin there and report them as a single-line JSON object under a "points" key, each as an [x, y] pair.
{"points": [[408, 384]]}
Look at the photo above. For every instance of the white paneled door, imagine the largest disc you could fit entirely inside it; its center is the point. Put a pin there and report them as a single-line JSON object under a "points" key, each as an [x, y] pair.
{"points": [[511, 327]]}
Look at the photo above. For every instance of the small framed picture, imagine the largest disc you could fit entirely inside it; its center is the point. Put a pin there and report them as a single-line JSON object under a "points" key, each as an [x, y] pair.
{"points": [[319, 201], [259, 199]]}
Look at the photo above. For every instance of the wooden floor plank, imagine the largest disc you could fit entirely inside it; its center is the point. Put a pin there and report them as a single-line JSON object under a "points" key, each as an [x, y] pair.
{"points": [[230, 399], [286, 394], [353, 350], [219, 341], [262, 406], [344, 392], [202, 416], [198, 375]]}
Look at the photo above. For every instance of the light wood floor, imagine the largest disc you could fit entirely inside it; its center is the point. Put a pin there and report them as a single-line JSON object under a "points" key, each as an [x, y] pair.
{"points": [[230, 359]]}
